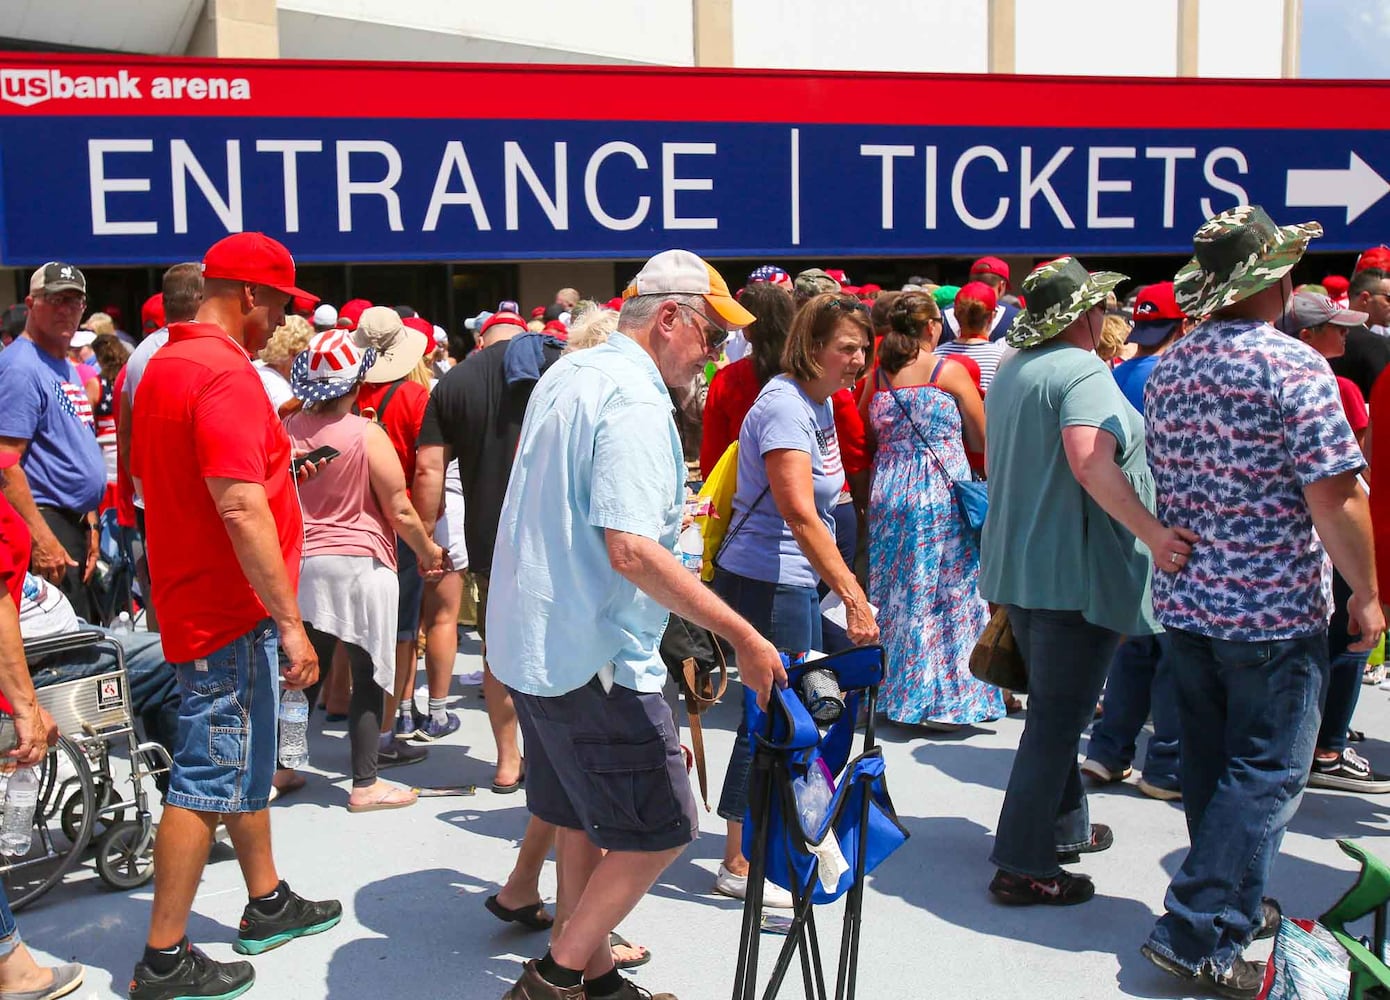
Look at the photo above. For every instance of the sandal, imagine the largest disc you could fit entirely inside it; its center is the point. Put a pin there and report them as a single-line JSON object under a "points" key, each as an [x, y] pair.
{"points": [[616, 940], [385, 801], [533, 917]]}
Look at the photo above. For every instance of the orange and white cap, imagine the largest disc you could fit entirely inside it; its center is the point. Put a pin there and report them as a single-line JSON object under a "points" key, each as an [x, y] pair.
{"points": [[680, 272]]}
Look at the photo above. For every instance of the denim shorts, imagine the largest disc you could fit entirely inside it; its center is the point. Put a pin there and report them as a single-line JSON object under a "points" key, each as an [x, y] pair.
{"points": [[610, 764], [224, 756], [412, 592]]}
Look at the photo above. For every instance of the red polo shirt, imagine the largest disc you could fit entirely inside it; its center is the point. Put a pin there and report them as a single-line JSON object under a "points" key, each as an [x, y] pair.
{"points": [[15, 546], [204, 414]]}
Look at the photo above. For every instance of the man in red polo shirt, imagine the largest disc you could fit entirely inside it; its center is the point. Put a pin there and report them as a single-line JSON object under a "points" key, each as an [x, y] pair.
{"points": [[224, 536]]}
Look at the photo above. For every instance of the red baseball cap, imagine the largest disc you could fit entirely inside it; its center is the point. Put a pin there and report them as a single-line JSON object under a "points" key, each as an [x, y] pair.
{"points": [[1336, 285], [990, 265], [503, 319], [980, 292], [152, 313], [1156, 302], [840, 276], [351, 312], [1377, 257], [616, 303], [255, 259], [538, 312], [421, 324], [304, 305]]}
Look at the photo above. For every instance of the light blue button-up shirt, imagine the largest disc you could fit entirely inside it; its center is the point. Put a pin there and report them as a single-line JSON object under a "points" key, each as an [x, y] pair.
{"points": [[598, 450]]}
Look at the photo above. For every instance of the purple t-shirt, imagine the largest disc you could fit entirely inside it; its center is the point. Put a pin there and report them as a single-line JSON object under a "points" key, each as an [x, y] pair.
{"points": [[1240, 419]]}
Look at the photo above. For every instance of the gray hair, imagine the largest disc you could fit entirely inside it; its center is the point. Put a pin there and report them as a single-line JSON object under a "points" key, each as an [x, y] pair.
{"points": [[639, 310], [592, 329]]}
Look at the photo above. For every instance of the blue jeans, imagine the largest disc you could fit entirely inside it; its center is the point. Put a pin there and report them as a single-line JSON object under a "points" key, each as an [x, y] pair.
{"points": [[1140, 681], [1343, 692], [1249, 718], [789, 618], [1045, 804], [412, 592], [9, 930], [224, 757]]}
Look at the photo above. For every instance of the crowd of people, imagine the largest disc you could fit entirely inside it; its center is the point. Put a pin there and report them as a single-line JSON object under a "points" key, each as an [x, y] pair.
{"points": [[1187, 461]]}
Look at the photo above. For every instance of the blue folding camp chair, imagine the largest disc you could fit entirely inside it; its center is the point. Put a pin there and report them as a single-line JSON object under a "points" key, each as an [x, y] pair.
{"points": [[787, 745]]}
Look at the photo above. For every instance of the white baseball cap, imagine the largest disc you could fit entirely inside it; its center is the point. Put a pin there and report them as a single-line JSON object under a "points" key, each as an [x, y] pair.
{"points": [[325, 317], [680, 272]]}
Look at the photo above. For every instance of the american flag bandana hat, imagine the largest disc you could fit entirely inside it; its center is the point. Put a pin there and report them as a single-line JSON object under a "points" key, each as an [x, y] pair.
{"points": [[332, 365], [770, 273]]}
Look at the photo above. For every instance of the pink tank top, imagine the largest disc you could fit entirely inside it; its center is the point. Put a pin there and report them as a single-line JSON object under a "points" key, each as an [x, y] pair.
{"points": [[341, 513]]}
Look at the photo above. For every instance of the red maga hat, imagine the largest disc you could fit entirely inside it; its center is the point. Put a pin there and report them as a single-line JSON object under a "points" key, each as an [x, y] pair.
{"points": [[254, 258]]}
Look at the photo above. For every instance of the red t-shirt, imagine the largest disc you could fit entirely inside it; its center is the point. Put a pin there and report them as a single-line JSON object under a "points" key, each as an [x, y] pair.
{"points": [[125, 487], [1380, 475], [404, 415], [14, 561], [731, 394], [1354, 404], [203, 414]]}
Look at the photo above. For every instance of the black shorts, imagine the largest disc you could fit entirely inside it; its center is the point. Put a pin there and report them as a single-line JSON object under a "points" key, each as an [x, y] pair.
{"points": [[610, 765]]}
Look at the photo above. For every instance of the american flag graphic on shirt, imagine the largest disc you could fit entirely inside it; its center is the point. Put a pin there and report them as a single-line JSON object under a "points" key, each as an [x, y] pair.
{"points": [[73, 401]]}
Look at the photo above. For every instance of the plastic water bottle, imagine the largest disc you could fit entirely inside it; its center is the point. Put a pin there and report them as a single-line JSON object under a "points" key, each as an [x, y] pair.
{"points": [[692, 548], [21, 799], [122, 624], [294, 729]]}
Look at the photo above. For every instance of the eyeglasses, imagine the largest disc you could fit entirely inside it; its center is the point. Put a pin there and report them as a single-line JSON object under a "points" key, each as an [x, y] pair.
{"points": [[713, 340], [66, 300]]}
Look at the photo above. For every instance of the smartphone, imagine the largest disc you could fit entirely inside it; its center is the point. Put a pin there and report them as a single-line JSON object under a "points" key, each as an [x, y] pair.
{"points": [[324, 454]]}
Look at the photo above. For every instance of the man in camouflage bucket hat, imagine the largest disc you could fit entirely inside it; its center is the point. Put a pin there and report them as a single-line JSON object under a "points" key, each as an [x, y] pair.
{"points": [[812, 282], [1250, 448], [1237, 253], [1058, 293]]}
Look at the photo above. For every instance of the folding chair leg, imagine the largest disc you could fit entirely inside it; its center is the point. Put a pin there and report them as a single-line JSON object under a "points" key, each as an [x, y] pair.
{"points": [[760, 795], [848, 974]]}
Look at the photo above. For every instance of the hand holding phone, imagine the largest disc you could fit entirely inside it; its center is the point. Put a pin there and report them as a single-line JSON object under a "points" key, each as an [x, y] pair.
{"points": [[307, 465]]}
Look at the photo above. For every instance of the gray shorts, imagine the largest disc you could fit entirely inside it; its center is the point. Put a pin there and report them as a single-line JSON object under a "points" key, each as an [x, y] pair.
{"points": [[610, 765]]}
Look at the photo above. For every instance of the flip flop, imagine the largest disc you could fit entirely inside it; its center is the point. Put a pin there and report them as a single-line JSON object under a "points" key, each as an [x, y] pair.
{"points": [[384, 802], [508, 789], [616, 940], [533, 917]]}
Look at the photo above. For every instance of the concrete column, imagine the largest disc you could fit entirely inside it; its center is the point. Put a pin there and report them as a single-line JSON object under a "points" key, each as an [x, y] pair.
{"points": [[1001, 36], [540, 280], [1187, 37], [237, 29], [714, 32], [1293, 33]]}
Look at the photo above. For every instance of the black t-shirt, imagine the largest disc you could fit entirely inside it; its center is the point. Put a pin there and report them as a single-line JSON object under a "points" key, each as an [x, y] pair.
{"points": [[478, 416], [1367, 355]]}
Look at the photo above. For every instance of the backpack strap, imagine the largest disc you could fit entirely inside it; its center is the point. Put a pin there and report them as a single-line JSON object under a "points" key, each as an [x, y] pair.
{"points": [[377, 414], [934, 372]]}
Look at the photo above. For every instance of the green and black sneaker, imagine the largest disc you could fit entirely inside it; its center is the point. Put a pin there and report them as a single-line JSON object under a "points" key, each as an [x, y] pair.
{"points": [[196, 976], [297, 918]]}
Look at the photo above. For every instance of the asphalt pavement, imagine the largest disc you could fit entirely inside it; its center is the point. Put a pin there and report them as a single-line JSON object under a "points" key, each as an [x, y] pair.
{"points": [[413, 881]]}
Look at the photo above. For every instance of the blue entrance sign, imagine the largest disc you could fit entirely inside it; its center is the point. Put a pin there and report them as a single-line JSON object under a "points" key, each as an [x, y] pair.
{"points": [[122, 175]]}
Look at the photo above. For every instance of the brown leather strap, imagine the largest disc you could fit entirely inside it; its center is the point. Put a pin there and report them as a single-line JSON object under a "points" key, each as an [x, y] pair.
{"points": [[697, 750], [702, 696]]}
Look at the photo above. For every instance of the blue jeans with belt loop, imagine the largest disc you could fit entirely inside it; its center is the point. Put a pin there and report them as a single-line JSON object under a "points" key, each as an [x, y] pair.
{"points": [[1249, 715], [789, 618], [1045, 805]]}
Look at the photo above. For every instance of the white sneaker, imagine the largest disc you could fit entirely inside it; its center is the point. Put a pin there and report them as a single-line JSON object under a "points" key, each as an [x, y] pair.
{"points": [[729, 884]]}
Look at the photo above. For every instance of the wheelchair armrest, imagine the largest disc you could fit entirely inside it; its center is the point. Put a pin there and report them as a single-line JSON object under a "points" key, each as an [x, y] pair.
{"points": [[65, 643]]}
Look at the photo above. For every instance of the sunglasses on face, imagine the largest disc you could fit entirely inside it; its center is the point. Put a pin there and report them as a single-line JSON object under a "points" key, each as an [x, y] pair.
{"points": [[713, 334]]}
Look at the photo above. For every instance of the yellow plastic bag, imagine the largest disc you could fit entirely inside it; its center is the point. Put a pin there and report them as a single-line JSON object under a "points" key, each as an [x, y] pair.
{"points": [[719, 491], [1377, 656]]}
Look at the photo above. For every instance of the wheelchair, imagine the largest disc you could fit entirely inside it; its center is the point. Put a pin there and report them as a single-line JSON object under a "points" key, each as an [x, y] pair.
{"points": [[80, 798]]}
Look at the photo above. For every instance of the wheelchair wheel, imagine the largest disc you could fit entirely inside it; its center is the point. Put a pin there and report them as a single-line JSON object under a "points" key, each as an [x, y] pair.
{"points": [[63, 776], [125, 855], [72, 808]]}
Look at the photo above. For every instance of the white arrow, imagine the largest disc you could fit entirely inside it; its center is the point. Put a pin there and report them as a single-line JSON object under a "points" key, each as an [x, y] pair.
{"points": [[1358, 188]]}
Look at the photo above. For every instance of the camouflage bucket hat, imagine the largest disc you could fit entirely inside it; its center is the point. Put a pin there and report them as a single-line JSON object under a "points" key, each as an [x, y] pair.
{"points": [[813, 281], [1237, 253], [1057, 293]]}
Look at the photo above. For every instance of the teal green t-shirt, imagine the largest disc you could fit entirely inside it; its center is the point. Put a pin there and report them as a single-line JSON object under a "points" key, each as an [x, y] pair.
{"points": [[1046, 543]]}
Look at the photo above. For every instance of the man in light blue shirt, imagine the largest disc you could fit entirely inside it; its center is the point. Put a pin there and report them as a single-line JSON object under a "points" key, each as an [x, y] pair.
{"points": [[583, 575]]}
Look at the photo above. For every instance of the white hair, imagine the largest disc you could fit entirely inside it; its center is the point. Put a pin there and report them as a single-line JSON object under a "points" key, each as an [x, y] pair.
{"points": [[639, 310]]}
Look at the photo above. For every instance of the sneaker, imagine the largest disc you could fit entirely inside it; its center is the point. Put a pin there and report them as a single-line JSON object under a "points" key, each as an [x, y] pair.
{"points": [[406, 727], [299, 917], [1349, 772], [428, 730], [196, 975], [532, 986], [629, 991], [1242, 981], [1102, 839], [726, 883], [1101, 774], [399, 753], [1373, 675], [1064, 889], [1159, 791]]}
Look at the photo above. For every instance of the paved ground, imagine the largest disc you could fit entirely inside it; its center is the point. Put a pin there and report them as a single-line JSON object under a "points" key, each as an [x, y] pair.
{"points": [[413, 881]]}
